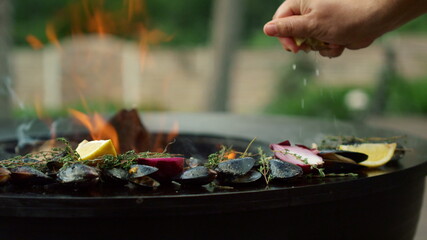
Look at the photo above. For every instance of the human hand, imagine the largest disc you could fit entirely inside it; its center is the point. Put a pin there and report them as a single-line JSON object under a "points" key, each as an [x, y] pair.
{"points": [[339, 24]]}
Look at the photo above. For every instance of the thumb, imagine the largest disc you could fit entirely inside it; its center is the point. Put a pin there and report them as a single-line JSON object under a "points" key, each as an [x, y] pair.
{"points": [[292, 26]]}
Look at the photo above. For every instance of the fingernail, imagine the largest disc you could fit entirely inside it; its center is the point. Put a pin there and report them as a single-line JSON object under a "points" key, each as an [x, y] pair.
{"points": [[270, 29]]}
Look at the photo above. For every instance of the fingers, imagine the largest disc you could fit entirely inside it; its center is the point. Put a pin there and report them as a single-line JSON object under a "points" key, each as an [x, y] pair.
{"points": [[359, 45], [289, 44], [332, 52], [292, 26], [288, 8]]}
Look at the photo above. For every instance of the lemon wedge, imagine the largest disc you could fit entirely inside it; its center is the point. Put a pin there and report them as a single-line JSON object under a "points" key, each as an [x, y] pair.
{"points": [[299, 41], [97, 148], [312, 43], [378, 153]]}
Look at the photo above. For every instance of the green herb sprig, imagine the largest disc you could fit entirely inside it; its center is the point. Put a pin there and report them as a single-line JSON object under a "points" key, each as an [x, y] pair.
{"points": [[264, 165]]}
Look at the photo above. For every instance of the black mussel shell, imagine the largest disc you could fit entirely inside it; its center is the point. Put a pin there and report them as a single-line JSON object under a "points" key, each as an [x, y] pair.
{"points": [[193, 162], [398, 153], [118, 175], [249, 177], [29, 175], [78, 174], [55, 164], [332, 166], [239, 166], [145, 181], [4, 175], [139, 170], [197, 176], [284, 170], [343, 156]]}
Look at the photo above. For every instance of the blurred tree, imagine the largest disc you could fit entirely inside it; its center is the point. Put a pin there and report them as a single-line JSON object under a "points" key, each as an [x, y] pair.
{"points": [[227, 24], [388, 75], [5, 45]]}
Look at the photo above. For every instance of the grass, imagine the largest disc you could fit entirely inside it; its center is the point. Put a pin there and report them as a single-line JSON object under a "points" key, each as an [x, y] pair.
{"points": [[405, 98]]}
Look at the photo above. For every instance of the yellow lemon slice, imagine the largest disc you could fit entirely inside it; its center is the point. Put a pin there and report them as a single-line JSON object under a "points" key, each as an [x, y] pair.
{"points": [[378, 153], [93, 149], [299, 41], [314, 44]]}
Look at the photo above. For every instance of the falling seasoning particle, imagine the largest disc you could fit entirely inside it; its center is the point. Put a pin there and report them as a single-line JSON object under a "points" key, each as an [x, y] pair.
{"points": [[317, 72], [302, 103], [305, 81], [294, 67]]}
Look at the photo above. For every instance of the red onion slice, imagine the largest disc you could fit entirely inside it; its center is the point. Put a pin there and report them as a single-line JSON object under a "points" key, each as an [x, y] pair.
{"points": [[169, 167], [299, 155]]}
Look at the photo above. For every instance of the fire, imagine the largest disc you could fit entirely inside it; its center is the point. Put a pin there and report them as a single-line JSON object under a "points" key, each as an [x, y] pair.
{"points": [[231, 155], [100, 19], [34, 42], [51, 35], [98, 128], [161, 140]]}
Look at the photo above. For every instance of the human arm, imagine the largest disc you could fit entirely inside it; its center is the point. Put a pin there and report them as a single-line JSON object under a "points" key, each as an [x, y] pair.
{"points": [[340, 23]]}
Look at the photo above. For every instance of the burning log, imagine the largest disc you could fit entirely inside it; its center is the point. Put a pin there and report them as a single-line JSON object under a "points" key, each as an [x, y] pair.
{"points": [[132, 133]]}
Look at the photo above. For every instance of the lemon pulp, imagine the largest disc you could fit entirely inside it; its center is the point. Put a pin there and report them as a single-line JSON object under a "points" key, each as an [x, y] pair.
{"points": [[94, 149], [378, 153]]}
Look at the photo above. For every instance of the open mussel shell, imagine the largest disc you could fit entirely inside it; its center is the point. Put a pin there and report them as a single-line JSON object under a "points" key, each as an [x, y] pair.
{"points": [[284, 170], [29, 175], [139, 170], [343, 156], [239, 166], [398, 153], [197, 176], [4, 175], [250, 177], [54, 164], [116, 175], [138, 174], [78, 174], [332, 166], [145, 181]]}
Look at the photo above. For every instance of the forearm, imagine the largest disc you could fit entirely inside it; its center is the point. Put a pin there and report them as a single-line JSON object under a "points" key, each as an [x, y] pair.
{"points": [[403, 11]]}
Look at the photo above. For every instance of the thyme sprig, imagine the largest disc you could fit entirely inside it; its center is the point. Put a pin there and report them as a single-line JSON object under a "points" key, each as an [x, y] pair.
{"points": [[215, 158], [224, 152], [264, 165], [305, 161], [67, 156]]}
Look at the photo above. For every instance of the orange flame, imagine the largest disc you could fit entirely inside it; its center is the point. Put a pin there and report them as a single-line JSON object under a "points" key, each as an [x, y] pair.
{"points": [[231, 155], [99, 129], [173, 133], [34, 42], [161, 140], [51, 35]]}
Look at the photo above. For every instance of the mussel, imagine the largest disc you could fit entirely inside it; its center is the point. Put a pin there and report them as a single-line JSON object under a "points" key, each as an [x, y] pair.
{"points": [[343, 156], [197, 176], [78, 174], [29, 175], [239, 166], [55, 164], [338, 161], [138, 174], [138, 170], [250, 177], [284, 170], [146, 181], [4, 175], [116, 175]]}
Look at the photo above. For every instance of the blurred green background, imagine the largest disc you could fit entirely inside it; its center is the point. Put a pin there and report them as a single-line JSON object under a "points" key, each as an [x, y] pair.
{"points": [[190, 23]]}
